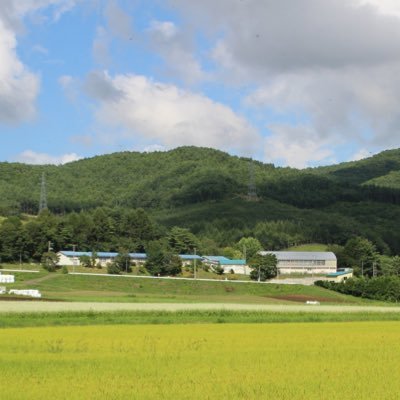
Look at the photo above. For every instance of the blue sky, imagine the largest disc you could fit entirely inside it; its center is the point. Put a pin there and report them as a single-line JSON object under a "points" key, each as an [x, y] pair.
{"points": [[300, 84]]}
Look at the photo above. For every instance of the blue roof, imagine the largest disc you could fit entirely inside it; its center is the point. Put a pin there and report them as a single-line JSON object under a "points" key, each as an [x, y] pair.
{"points": [[142, 256], [190, 257], [233, 262], [100, 254], [103, 254], [216, 258], [339, 273]]}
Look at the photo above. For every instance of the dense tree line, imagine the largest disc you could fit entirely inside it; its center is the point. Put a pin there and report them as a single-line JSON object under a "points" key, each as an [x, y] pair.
{"points": [[95, 202], [385, 288]]}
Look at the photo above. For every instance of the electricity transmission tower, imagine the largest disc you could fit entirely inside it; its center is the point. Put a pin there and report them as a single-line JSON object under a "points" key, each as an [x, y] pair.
{"points": [[43, 194], [252, 191]]}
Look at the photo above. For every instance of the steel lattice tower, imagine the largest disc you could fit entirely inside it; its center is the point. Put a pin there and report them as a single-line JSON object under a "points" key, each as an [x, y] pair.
{"points": [[252, 191], [43, 194]]}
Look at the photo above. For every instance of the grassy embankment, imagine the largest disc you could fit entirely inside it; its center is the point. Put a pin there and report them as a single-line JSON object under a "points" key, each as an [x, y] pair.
{"points": [[279, 361], [58, 286]]}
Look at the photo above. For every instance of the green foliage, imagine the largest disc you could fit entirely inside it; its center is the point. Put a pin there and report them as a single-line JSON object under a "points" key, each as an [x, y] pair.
{"points": [[250, 246], [113, 269], [385, 288], [160, 261], [89, 261], [182, 241], [200, 192], [219, 270], [123, 261], [64, 269], [389, 265], [232, 253], [360, 254], [49, 261], [263, 267], [277, 235]]}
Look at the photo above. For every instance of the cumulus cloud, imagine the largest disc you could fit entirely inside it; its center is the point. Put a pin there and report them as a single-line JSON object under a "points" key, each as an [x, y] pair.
{"points": [[118, 21], [101, 46], [296, 146], [32, 157], [19, 86], [328, 66], [149, 112], [360, 154], [176, 49]]}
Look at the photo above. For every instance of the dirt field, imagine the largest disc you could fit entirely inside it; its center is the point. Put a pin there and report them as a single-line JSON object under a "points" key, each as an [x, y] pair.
{"points": [[42, 306]]}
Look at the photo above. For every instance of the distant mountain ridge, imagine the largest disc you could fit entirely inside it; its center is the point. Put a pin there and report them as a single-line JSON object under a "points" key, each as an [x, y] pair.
{"points": [[205, 189], [185, 175]]}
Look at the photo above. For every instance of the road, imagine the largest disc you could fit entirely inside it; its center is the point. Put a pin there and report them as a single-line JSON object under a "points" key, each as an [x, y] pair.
{"points": [[42, 306]]}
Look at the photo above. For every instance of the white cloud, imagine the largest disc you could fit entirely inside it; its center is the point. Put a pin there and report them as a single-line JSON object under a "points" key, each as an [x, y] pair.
{"points": [[331, 65], [32, 157], [176, 49], [19, 87], [297, 146], [388, 7], [37, 48], [360, 154], [118, 21], [149, 112], [100, 47], [153, 147]]}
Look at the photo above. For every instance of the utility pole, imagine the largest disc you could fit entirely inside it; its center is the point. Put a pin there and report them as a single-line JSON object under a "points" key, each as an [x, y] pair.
{"points": [[194, 265], [49, 246]]}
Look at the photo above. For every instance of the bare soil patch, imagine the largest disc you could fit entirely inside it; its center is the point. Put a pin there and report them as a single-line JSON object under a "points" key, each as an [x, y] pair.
{"points": [[21, 298]]}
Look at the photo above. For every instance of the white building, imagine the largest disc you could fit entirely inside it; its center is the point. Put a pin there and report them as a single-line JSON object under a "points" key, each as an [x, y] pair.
{"points": [[304, 262], [340, 276], [228, 265], [73, 258]]}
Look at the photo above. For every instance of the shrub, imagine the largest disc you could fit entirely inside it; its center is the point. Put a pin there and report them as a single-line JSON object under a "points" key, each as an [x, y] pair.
{"points": [[385, 288], [113, 269]]}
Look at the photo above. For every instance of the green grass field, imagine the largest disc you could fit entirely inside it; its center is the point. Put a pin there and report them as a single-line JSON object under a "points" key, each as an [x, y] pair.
{"points": [[355, 360], [119, 289]]}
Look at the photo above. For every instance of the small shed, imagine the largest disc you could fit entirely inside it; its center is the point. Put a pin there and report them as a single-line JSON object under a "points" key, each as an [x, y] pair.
{"points": [[340, 276]]}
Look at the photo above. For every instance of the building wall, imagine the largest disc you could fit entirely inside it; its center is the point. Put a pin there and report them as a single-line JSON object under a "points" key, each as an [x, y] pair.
{"points": [[306, 266], [237, 269], [340, 278], [67, 261]]}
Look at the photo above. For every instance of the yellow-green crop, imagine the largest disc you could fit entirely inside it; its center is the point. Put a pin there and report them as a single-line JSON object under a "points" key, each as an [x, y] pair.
{"points": [[233, 361]]}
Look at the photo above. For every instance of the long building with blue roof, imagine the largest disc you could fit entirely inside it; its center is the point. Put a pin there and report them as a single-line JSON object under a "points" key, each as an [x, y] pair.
{"points": [[73, 258]]}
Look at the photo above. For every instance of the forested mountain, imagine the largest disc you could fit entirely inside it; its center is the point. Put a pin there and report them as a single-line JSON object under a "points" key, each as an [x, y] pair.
{"points": [[205, 190]]}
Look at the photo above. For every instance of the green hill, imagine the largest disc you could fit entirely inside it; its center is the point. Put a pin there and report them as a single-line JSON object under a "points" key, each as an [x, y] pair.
{"points": [[205, 190], [366, 170]]}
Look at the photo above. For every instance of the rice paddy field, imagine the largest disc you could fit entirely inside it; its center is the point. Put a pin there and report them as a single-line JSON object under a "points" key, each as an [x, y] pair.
{"points": [[348, 360]]}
